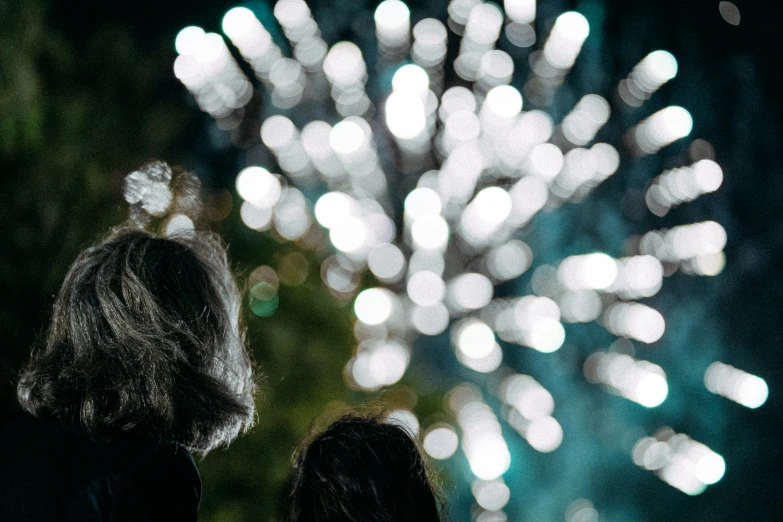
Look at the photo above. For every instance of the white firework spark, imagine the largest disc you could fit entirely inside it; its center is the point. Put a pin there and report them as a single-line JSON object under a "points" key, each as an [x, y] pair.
{"points": [[492, 165]]}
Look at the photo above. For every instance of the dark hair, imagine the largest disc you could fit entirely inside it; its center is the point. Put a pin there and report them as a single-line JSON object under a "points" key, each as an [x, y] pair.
{"points": [[361, 469], [145, 337]]}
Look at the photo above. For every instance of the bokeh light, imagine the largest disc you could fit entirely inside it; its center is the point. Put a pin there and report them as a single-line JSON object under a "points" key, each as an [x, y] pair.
{"points": [[440, 441], [737, 385], [374, 305], [442, 212], [640, 381], [680, 461]]}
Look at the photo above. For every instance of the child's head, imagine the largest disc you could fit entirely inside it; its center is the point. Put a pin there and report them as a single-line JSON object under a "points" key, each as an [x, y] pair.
{"points": [[361, 469]]}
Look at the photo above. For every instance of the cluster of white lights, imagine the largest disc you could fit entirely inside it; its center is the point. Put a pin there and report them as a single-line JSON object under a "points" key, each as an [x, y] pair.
{"points": [[680, 461], [344, 156], [737, 385], [520, 15], [587, 272], [484, 216], [347, 74], [474, 342], [387, 262], [282, 137], [565, 41], [575, 174], [545, 160], [355, 227], [205, 66], [472, 144], [530, 321], [393, 27], [352, 141], [411, 109], [482, 438], [267, 202], [520, 11], [429, 47], [496, 167], [374, 305], [426, 288], [492, 495], [427, 233], [580, 306], [574, 292], [647, 76], [423, 221], [252, 40], [302, 31], [508, 260], [440, 441], [480, 33], [283, 75], [683, 184], [180, 225], [581, 279], [457, 114], [637, 277], [430, 319], [635, 321], [286, 77], [552, 63], [585, 120], [661, 129], [583, 169], [377, 363], [639, 381], [339, 275], [530, 412], [469, 291], [704, 265], [698, 247]]}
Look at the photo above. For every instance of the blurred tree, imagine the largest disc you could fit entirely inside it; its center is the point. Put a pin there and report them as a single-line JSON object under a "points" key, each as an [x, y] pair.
{"points": [[72, 122], [76, 115]]}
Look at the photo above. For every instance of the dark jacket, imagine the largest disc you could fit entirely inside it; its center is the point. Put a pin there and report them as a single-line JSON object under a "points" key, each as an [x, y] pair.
{"points": [[52, 473]]}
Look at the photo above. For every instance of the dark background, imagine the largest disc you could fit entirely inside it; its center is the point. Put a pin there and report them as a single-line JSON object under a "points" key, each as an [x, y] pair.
{"points": [[87, 94]]}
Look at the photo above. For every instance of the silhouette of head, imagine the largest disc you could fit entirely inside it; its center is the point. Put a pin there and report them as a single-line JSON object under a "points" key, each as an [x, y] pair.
{"points": [[146, 337], [362, 469]]}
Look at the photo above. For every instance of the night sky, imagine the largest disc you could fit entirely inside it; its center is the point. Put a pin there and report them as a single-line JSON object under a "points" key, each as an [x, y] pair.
{"points": [[731, 81]]}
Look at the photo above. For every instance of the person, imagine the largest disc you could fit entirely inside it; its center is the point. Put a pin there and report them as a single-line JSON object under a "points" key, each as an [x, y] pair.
{"points": [[144, 363], [361, 469]]}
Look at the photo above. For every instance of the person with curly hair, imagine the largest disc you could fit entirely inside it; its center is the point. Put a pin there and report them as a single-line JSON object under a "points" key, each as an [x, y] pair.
{"points": [[362, 468]]}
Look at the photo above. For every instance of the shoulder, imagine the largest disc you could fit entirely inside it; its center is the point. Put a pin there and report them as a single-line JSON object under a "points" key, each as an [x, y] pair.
{"points": [[34, 446], [72, 472], [166, 483], [162, 484], [170, 461], [35, 468]]}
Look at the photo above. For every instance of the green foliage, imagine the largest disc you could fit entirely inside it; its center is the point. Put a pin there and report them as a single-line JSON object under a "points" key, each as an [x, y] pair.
{"points": [[300, 351], [73, 121], [75, 117]]}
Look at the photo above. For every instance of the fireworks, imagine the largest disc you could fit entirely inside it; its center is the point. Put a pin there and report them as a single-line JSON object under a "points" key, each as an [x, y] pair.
{"points": [[472, 168]]}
